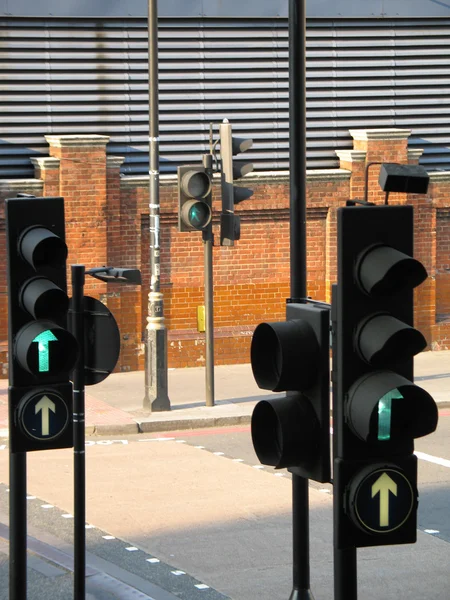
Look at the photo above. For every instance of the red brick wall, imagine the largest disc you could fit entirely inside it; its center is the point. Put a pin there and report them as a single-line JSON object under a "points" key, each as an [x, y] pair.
{"points": [[107, 223]]}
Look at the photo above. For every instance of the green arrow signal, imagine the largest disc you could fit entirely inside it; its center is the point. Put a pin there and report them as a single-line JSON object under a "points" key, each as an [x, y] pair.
{"points": [[43, 340], [385, 414]]}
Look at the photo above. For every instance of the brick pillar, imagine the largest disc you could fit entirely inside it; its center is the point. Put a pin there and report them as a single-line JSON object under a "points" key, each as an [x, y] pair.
{"points": [[83, 185], [47, 169], [380, 145], [355, 162], [128, 299], [123, 251], [440, 194], [331, 251], [391, 146], [114, 247], [425, 251]]}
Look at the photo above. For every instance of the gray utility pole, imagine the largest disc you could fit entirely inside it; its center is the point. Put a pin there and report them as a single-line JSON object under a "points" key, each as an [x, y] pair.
{"points": [[156, 397]]}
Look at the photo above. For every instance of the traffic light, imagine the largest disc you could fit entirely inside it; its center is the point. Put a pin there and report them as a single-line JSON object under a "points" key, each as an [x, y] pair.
{"points": [[293, 356], [42, 352], [230, 228], [194, 198], [378, 411]]}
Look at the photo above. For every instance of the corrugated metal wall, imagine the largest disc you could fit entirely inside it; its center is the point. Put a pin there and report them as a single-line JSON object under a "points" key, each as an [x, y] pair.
{"points": [[89, 76]]}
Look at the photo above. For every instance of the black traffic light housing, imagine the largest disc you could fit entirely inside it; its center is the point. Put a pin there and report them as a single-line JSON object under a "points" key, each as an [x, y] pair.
{"points": [[194, 198], [230, 228], [293, 356], [378, 410], [42, 352]]}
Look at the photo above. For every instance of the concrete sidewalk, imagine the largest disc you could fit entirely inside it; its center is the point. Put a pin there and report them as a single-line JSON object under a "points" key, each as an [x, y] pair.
{"points": [[115, 406]]}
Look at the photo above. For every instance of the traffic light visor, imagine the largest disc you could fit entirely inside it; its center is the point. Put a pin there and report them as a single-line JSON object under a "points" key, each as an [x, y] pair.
{"points": [[385, 406], [40, 247], [42, 347], [283, 430], [382, 270], [196, 184], [43, 299], [382, 340], [196, 214], [284, 355]]}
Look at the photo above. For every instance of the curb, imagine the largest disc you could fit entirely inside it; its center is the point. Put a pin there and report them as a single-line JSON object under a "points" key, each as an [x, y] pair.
{"points": [[193, 423], [169, 425]]}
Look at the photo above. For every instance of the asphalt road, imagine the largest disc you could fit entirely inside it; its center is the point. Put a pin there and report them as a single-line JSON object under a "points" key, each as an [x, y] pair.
{"points": [[193, 515], [433, 480]]}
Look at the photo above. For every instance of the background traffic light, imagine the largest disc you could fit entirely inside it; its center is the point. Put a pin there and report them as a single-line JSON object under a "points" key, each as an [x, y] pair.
{"points": [[42, 352], [293, 356], [194, 198], [230, 229], [378, 411]]}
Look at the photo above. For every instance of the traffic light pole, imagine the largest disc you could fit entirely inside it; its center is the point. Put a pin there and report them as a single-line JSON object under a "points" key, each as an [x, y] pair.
{"points": [[79, 455], [345, 565], [297, 179], [17, 525], [209, 316], [208, 240]]}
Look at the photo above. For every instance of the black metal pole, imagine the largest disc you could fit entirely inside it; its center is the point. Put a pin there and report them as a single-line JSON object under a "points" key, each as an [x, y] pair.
{"points": [[208, 241], [297, 179], [345, 559], [297, 145], [17, 525], [345, 574], [79, 457], [209, 320]]}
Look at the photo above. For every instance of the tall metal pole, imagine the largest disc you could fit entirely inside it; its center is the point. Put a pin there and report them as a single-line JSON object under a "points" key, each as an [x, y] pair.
{"points": [[156, 394], [345, 564], [208, 241], [79, 456], [17, 525], [297, 179]]}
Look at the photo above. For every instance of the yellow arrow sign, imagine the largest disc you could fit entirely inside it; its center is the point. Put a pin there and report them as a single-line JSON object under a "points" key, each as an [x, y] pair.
{"points": [[383, 485], [45, 405]]}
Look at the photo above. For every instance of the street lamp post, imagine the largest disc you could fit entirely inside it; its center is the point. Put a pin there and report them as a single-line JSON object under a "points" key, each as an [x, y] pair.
{"points": [[156, 396]]}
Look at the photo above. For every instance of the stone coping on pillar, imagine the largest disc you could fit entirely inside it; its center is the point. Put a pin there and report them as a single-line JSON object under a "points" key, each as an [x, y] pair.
{"points": [[112, 162], [415, 153], [252, 178], [439, 176], [46, 162], [31, 186], [351, 155], [68, 141], [365, 135]]}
